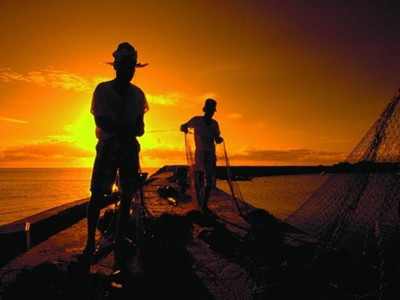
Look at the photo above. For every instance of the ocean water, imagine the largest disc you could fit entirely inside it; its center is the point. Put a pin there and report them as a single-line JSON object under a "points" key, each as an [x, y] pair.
{"points": [[25, 192], [279, 195]]}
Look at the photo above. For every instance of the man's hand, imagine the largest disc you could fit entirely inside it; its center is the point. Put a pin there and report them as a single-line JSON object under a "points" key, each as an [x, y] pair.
{"points": [[184, 128], [139, 131], [139, 126], [127, 130], [219, 140]]}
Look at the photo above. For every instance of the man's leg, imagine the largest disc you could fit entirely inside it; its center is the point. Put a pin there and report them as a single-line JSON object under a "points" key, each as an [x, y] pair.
{"points": [[199, 185], [199, 179], [128, 175], [103, 177], [209, 165], [93, 212], [207, 191], [123, 216]]}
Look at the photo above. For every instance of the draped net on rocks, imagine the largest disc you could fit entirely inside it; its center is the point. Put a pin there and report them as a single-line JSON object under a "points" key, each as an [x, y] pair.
{"points": [[359, 208]]}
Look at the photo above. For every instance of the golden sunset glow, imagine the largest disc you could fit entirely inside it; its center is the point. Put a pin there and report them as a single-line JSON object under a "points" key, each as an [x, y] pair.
{"points": [[297, 82]]}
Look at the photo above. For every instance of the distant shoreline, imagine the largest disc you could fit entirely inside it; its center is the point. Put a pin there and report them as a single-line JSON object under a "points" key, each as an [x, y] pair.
{"points": [[261, 171]]}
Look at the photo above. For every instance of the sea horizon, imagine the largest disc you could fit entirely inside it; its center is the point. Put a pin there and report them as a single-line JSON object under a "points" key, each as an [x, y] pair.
{"points": [[183, 164], [27, 191]]}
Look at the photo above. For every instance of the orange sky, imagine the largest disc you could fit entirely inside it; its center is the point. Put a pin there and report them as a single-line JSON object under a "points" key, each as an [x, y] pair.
{"points": [[297, 82]]}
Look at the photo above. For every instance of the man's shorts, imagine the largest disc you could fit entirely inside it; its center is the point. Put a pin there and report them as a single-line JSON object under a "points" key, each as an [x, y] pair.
{"points": [[114, 155], [205, 161]]}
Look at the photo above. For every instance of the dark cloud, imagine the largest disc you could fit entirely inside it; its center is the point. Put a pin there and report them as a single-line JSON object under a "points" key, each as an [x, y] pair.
{"points": [[62, 151], [44, 152], [294, 156], [280, 157], [172, 154]]}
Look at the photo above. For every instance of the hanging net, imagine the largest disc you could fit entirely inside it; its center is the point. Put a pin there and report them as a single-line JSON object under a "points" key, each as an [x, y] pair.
{"points": [[197, 189], [359, 209], [190, 158], [223, 162]]}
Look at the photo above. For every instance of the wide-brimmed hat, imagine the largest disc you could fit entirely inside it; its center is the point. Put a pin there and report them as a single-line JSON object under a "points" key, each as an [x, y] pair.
{"points": [[125, 54]]}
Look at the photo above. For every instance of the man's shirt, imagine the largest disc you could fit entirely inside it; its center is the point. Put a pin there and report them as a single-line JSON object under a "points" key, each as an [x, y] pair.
{"points": [[121, 110], [204, 135]]}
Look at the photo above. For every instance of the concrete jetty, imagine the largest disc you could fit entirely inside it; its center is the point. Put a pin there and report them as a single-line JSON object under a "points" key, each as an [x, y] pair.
{"points": [[19, 236]]}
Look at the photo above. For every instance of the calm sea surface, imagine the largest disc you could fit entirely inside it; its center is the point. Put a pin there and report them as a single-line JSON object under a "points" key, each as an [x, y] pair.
{"points": [[279, 195], [24, 192]]}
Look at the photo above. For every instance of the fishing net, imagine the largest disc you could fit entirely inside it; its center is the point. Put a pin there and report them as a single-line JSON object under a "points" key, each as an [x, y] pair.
{"points": [[197, 189], [109, 256], [234, 189], [197, 197], [359, 209]]}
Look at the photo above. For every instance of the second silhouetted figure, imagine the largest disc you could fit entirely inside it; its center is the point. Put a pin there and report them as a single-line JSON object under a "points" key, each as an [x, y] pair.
{"points": [[206, 132]]}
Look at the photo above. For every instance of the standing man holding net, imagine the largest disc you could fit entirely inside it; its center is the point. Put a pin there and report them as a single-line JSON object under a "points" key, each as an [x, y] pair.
{"points": [[206, 132], [118, 108]]}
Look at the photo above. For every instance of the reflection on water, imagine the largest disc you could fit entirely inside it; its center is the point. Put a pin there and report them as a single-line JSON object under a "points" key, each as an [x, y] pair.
{"points": [[279, 195], [25, 192], [29, 191]]}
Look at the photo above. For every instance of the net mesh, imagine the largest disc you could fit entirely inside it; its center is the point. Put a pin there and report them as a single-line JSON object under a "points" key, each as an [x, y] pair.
{"points": [[197, 193], [350, 208], [190, 158], [235, 192]]}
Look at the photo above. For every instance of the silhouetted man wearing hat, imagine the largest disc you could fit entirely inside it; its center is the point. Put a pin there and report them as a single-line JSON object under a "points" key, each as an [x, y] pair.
{"points": [[206, 132], [118, 108]]}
